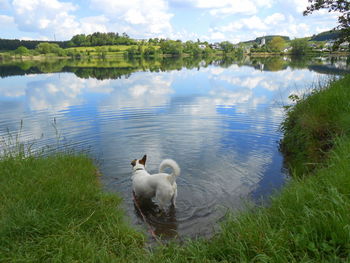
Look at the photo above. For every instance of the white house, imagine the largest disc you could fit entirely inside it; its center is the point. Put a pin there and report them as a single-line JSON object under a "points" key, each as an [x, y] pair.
{"points": [[344, 44]]}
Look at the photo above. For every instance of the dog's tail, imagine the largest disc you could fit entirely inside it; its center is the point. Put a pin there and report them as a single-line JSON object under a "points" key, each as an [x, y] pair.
{"points": [[171, 164]]}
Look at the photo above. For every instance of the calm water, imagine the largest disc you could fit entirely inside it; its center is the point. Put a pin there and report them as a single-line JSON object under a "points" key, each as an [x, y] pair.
{"points": [[219, 120]]}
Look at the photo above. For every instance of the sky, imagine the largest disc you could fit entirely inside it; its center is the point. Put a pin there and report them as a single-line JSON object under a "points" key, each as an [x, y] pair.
{"points": [[207, 20]]}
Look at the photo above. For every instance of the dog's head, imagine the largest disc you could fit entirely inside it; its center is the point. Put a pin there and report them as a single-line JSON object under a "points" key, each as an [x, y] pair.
{"points": [[139, 164]]}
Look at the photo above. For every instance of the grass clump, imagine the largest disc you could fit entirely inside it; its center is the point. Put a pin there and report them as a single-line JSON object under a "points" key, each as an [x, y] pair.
{"points": [[313, 123], [53, 210]]}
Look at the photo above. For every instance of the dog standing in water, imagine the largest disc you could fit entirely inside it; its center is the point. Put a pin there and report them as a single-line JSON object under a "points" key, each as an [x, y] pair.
{"points": [[162, 185]]}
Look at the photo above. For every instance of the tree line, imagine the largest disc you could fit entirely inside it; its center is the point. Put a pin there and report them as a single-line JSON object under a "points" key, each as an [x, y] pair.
{"points": [[12, 44], [110, 44], [95, 39]]}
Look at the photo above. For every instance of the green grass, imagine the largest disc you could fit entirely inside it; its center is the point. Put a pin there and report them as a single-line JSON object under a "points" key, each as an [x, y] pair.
{"points": [[113, 48], [52, 209], [314, 122], [108, 51]]}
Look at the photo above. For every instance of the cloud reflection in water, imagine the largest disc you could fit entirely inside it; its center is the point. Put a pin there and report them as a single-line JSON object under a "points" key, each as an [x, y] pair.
{"points": [[219, 124]]}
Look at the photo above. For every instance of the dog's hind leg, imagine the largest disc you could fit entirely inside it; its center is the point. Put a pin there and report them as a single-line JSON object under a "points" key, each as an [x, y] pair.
{"points": [[173, 199], [160, 200]]}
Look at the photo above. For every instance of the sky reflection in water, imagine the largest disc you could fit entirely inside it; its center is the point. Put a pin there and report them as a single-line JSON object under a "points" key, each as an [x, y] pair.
{"points": [[219, 124]]}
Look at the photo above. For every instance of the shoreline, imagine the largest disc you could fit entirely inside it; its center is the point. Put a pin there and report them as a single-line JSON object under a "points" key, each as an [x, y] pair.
{"points": [[54, 208], [121, 54]]}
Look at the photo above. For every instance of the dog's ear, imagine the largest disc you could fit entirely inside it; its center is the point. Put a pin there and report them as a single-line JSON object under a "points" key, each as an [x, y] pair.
{"points": [[133, 163], [143, 160]]}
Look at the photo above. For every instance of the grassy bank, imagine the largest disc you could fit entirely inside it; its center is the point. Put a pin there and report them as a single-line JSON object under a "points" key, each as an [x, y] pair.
{"points": [[313, 124], [52, 208]]}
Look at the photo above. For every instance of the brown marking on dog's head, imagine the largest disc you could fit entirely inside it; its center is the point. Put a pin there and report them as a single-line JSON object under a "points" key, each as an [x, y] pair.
{"points": [[143, 160], [133, 163]]}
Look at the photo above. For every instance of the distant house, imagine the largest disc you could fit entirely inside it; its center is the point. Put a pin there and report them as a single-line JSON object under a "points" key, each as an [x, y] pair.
{"points": [[216, 46], [262, 42], [202, 46], [344, 45], [313, 45], [287, 49], [329, 43]]}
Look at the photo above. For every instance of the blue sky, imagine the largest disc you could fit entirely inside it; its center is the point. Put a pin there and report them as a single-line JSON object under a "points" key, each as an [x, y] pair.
{"points": [[210, 20]]}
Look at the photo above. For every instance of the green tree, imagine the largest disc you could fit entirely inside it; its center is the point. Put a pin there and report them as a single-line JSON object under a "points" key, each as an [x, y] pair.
{"points": [[277, 44], [208, 51], [226, 46], [78, 40], [274, 64], [21, 50], [150, 51], [299, 46], [46, 48], [192, 48], [133, 51], [342, 7], [171, 47]]}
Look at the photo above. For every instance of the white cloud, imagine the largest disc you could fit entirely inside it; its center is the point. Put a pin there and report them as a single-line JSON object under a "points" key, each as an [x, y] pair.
{"points": [[227, 7], [300, 5], [94, 24], [6, 20], [217, 36], [153, 15], [4, 4], [265, 3], [141, 91], [254, 22], [274, 19], [219, 20], [46, 17], [251, 23], [235, 7], [231, 27], [52, 18]]}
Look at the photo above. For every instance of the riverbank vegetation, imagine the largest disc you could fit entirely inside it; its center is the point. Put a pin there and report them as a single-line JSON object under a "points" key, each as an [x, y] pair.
{"points": [[54, 210], [104, 45], [114, 45], [313, 125]]}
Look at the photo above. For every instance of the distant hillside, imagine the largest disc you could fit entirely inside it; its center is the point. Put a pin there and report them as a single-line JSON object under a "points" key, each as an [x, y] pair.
{"points": [[267, 38], [328, 35], [12, 44]]}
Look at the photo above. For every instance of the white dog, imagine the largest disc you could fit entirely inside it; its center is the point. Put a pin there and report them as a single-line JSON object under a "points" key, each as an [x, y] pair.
{"points": [[161, 185]]}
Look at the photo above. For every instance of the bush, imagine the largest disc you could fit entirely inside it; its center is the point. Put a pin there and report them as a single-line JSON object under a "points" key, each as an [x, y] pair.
{"points": [[46, 48], [21, 50]]}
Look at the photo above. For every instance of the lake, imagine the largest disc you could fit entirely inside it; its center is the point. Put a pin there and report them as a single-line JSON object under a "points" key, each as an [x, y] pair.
{"points": [[219, 119]]}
